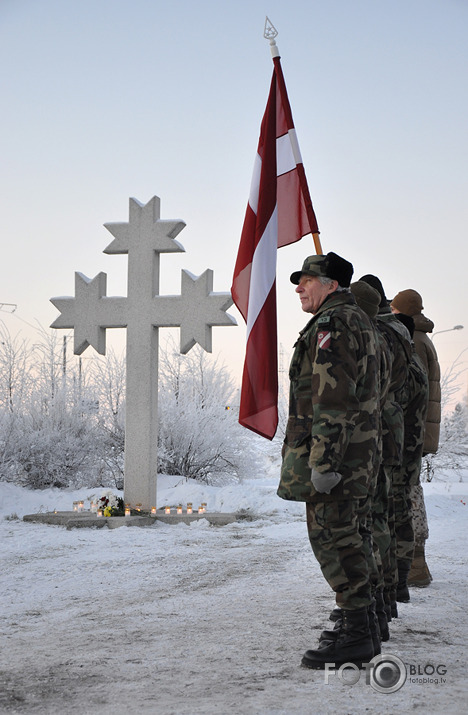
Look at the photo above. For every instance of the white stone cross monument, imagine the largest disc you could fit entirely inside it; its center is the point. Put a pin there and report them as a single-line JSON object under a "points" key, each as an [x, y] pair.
{"points": [[142, 312]]}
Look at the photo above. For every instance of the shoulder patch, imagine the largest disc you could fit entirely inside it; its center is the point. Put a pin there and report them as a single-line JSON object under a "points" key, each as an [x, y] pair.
{"points": [[323, 321], [323, 339]]}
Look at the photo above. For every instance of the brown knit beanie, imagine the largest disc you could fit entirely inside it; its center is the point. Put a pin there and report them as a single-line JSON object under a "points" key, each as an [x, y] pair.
{"points": [[367, 298], [408, 302]]}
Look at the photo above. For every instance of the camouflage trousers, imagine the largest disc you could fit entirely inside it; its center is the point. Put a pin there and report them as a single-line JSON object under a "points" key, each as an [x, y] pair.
{"points": [[390, 563], [404, 480], [418, 508], [381, 536], [371, 551], [334, 534], [404, 533]]}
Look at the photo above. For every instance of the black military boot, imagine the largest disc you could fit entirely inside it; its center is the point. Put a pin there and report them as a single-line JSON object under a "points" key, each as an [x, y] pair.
{"points": [[402, 591], [381, 613], [331, 635], [388, 606], [335, 614], [374, 628], [353, 644], [391, 596]]}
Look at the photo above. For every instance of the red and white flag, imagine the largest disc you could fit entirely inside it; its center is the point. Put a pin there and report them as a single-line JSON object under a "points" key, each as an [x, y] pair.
{"points": [[279, 212]]}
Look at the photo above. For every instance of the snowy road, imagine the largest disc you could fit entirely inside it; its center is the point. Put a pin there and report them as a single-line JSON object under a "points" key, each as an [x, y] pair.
{"points": [[200, 619]]}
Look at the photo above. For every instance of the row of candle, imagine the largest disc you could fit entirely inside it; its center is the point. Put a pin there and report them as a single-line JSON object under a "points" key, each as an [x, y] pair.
{"points": [[78, 506], [180, 509]]}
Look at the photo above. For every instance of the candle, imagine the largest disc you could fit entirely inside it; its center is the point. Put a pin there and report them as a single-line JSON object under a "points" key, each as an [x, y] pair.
{"points": [[81, 506], [75, 506], [167, 510], [179, 509], [93, 507], [138, 507], [127, 511], [153, 510], [189, 508], [99, 512]]}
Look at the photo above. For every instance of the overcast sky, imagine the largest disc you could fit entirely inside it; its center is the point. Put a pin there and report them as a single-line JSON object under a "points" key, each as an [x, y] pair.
{"points": [[103, 100]]}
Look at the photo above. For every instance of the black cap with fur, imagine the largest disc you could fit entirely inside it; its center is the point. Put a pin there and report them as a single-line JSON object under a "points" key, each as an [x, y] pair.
{"points": [[329, 266]]}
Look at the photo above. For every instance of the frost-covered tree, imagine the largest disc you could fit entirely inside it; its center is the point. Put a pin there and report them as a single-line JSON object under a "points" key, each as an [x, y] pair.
{"points": [[107, 399], [453, 442], [15, 379], [62, 419], [47, 437], [199, 435]]}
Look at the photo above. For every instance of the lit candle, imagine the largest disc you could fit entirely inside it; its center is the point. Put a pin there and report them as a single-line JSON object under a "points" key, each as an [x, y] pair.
{"points": [[127, 511], [179, 509], [81, 506], [75, 506], [189, 508], [204, 506], [153, 510], [167, 510], [138, 507], [99, 512]]}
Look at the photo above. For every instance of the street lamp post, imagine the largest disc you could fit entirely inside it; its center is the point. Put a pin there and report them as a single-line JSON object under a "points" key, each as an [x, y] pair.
{"points": [[448, 330]]}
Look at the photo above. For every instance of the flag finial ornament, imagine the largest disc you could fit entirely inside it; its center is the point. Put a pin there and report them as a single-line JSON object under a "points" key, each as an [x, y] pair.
{"points": [[270, 31]]}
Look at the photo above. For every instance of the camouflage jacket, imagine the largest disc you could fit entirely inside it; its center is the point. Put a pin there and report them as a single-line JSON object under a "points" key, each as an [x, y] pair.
{"points": [[333, 420], [385, 373], [415, 414], [399, 343]]}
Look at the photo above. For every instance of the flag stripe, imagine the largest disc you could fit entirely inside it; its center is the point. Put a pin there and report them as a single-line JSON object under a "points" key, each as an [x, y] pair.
{"points": [[263, 272], [295, 146], [285, 160], [260, 374], [255, 185]]}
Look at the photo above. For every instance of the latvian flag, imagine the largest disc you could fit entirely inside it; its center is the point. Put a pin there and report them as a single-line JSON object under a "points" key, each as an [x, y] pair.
{"points": [[279, 212]]}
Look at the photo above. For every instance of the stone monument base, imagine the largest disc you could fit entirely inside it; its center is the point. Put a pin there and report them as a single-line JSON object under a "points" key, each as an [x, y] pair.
{"points": [[89, 520]]}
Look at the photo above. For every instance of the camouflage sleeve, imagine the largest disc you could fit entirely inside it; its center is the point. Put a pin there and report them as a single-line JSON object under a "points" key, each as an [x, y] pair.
{"points": [[336, 366]]}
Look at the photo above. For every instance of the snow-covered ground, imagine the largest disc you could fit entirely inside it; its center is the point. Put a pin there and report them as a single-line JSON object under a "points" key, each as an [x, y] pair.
{"points": [[200, 619]]}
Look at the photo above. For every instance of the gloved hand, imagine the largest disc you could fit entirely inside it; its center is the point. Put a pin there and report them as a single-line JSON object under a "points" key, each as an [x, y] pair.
{"points": [[324, 481]]}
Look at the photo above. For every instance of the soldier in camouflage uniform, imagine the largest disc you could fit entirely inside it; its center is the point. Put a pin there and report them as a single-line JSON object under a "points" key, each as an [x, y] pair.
{"points": [[331, 444], [374, 525], [399, 343], [407, 476]]}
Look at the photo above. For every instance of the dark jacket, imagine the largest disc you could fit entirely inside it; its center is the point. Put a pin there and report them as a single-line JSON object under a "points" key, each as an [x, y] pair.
{"points": [[427, 352]]}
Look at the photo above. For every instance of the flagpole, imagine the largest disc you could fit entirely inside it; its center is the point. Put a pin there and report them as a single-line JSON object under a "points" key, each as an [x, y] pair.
{"points": [[269, 33]]}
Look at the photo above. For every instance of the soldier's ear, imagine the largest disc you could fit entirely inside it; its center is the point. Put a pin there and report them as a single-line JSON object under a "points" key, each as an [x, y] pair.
{"points": [[333, 285]]}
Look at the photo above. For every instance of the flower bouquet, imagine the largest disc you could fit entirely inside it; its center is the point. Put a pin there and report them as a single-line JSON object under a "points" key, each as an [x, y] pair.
{"points": [[109, 503]]}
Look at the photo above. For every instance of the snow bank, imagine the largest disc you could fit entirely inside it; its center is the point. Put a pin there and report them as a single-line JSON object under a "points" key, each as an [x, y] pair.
{"points": [[196, 619]]}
